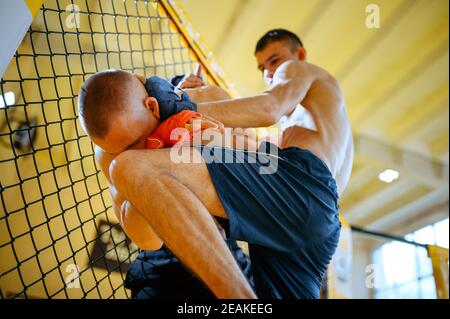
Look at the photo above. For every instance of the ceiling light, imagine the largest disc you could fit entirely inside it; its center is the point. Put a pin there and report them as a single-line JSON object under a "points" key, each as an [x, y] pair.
{"points": [[388, 175]]}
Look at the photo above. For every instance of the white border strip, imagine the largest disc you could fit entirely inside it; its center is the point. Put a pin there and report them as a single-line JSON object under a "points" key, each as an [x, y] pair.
{"points": [[15, 18]]}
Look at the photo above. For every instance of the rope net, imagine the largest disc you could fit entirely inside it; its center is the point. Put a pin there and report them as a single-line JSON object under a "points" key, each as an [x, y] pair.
{"points": [[58, 235]]}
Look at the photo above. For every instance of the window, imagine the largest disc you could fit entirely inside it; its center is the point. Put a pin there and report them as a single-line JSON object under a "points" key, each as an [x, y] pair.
{"points": [[404, 271]]}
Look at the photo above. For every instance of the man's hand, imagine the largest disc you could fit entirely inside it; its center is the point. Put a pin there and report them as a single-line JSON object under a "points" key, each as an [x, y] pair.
{"points": [[189, 81], [192, 81], [204, 122], [213, 134]]}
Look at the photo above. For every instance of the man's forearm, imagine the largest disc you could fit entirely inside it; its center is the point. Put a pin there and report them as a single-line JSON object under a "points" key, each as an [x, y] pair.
{"points": [[243, 112], [266, 109], [207, 94]]}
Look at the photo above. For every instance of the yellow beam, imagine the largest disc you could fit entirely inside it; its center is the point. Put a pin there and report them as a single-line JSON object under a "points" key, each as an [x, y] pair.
{"points": [[389, 207], [367, 190], [200, 50], [34, 6], [439, 260], [381, 155], [418, 114], [439, 146]]}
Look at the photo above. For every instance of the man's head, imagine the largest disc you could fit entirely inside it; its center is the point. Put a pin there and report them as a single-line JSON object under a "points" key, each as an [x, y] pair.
{"points": [[274, 48], [116, 111]]}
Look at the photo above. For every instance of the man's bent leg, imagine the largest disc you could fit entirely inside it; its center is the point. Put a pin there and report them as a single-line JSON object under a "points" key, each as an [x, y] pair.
{"points": [[194, 176], [180, 218]]}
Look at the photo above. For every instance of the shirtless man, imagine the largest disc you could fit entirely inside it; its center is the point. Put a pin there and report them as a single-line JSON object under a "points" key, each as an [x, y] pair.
{"points": [[274, 48]]}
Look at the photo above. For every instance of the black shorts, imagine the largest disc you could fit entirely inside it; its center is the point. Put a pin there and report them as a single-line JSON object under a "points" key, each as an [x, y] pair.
{"points": [[158, 274], [283, 202]]}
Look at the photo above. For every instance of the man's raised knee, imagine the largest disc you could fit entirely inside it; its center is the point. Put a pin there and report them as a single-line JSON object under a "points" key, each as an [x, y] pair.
{"points": [[126, 168], [130, 165]]}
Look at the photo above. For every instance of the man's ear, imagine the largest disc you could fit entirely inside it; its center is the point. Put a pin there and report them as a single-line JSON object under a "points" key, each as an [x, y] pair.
{"points": [[151, 104], [301, 54]]}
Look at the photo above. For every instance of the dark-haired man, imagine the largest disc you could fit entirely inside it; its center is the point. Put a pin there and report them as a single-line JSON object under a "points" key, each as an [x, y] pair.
{"points": [[274, 48]]}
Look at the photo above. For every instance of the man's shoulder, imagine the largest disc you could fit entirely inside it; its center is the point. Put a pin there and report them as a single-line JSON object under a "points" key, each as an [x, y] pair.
{"points": [[100, 155], [103, 159]]}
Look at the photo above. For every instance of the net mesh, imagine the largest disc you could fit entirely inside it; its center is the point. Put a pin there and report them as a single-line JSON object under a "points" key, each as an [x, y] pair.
{"points": [[58, 235]]}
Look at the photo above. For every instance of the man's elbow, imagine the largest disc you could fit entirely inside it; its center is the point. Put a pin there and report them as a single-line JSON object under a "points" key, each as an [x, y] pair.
{"points": [[271, 118], [272, 113]]}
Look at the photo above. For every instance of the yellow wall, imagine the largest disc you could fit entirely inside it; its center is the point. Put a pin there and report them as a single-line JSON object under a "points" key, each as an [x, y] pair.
{"points": [[54, 198]]}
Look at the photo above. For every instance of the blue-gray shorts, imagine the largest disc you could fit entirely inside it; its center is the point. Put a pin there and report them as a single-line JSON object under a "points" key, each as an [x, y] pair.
{"points": [[288, 217]]}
